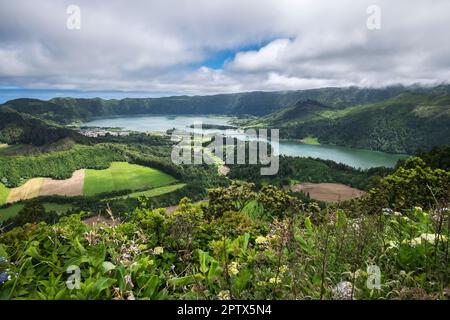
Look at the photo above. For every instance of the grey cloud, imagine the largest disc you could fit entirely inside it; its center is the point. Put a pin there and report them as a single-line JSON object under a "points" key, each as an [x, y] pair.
{"points": [[152, 45]]}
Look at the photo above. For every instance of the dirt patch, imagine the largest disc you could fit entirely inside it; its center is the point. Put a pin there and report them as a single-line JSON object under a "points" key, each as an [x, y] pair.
{"points": [[329, 192], [28, 190], [69, 187]]}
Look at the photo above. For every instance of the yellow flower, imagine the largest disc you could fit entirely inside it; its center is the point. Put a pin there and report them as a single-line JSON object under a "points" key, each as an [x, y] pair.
{"points": [[261, 240], [261, 283], [283, 269], [158, 250], [275, 280], [224, 295], [428, 237], [233, 268]]}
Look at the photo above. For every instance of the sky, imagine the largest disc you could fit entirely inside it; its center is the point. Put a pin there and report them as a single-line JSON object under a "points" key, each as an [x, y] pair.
{"points": [[194, 47]]}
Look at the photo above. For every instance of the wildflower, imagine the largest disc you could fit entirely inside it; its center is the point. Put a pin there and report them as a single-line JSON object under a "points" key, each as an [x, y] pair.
{"points": [[4, 277], [224, 295], [275, 280], [356, 225], [391, 245], [130, 295], [343, 290], [261, 283], [397, 214], [360, 273], [386, 211], [261, 240], [273, 238], [233, 268], [128, 281], [158, 250], [406, 219], [283, 269], [427, 237], [418, 208]]}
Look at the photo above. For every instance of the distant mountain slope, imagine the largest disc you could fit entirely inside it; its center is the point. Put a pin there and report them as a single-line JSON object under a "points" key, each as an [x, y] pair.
{"points": [[404, 124], [16, 128], [394, 119], [301, 111], [66, 110]]}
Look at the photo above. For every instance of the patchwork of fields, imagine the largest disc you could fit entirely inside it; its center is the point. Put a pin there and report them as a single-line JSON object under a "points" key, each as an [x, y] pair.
{"points": [[119, 176]]}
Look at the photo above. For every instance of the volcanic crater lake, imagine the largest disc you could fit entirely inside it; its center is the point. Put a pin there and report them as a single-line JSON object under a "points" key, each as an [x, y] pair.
{"points": [[357, 158]]}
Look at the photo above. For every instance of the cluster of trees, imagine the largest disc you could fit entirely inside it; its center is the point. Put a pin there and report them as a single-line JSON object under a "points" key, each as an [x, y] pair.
{"points": [[58, 165], [309, 170]]}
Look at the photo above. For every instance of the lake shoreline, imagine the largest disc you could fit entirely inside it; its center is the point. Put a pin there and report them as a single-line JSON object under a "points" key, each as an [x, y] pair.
{"points": [[354, 157]]}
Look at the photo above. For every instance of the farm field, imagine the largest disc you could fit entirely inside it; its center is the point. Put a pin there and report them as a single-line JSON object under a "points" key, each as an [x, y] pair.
{"points": [[154, 192], [119, 176], [4, 192], [328, 192], [31, 189], [69, 187], [124, 176]]}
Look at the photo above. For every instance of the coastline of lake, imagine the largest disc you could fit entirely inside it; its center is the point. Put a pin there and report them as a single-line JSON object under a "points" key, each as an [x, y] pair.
{"points": [[357, 158]]}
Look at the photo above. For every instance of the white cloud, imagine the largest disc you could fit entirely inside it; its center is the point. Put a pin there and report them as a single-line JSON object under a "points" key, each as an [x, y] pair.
{"points": [[152, 45], [268, 58]]}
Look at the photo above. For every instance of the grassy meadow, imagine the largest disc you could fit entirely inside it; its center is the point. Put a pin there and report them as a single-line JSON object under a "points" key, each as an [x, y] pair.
{"points": [[124, 176], [4, 192], [154, 192]]}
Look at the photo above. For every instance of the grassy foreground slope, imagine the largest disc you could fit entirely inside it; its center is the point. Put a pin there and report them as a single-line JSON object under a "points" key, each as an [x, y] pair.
{"points": [[124, 176]]}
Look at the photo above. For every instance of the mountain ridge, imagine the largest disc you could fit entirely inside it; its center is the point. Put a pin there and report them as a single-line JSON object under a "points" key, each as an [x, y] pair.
{"points": [[256, 103]]}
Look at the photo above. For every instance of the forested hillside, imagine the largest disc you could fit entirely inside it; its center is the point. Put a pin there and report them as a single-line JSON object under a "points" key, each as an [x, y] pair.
{"points": [[393, 119], [21, 128], [403, 124], [66, 110]]}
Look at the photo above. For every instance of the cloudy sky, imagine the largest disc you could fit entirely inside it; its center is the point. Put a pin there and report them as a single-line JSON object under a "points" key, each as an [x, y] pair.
{"points": [[154, 48]]}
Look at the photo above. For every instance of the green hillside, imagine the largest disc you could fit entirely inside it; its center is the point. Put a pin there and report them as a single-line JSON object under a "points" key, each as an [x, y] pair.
{"points": [[18, 127], [67, 110], [403, 124], [124, 176]]}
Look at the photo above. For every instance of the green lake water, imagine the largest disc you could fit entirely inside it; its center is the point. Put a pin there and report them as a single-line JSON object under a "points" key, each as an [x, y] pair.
{"points": [[358, 158]]}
